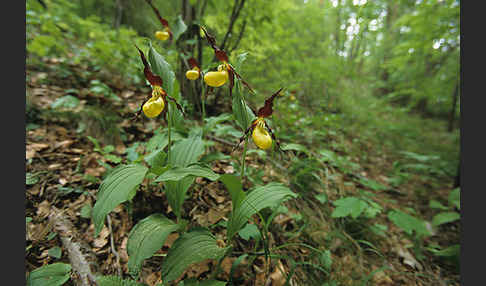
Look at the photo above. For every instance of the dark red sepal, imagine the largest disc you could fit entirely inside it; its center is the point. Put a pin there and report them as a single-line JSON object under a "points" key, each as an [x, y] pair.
{"points": [[193, 63], [267, 109], [152, 78]]}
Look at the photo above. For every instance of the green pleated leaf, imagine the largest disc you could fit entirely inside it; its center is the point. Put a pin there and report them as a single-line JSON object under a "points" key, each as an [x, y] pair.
{"points": [[235, 188], [119, 186], [177, 173], [178, 28], [191, 247], [408, 223], [112, 280], [445, 217], [242, 113], [261, 197], [163, 69], [55, 274], [146, 238], [186, 151], [176, 193]]}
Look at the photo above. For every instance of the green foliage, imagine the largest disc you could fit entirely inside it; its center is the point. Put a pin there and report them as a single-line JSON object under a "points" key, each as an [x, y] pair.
{"points": [[454, 198], [241, 112], [146, 237], [55, 252], [55, 274], [191, 247], [112, 280], [67, 101], [445, 217], [410, 224], [177, 173], [261, 197], [118, 187]]}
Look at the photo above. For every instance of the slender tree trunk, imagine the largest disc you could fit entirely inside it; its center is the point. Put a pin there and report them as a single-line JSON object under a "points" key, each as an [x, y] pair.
{"points": [[452, 114]]}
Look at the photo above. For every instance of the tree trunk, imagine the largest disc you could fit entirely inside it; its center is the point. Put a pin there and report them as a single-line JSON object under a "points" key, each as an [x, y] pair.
{"points": [[452, 114], [119, 14]]}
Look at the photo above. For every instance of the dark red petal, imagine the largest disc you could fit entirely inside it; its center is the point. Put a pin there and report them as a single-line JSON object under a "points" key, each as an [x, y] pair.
{"points": [[162, 20], [152, 78], [211, 40], [221, 55], [267, 109], [193, 63]]}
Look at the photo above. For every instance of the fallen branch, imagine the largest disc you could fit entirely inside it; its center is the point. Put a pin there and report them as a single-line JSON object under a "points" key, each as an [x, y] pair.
{"points": [[81, 257]]}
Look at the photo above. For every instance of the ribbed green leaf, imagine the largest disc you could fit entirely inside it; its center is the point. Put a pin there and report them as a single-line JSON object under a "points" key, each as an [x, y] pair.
{"points": [[176, 193], [163, 69], [191, 247], [445, 217], [235, 188], [265, 196], [49, 275], [178, 173], [117, 187], [242, 113], [186, 151], [146, 238]]}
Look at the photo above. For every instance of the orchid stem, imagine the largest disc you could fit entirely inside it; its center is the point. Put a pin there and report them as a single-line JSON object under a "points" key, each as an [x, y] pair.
{"points": [[243, 161]]}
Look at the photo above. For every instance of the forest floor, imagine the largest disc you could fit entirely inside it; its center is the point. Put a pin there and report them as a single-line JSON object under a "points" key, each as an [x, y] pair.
{"points": [[64, 173]]}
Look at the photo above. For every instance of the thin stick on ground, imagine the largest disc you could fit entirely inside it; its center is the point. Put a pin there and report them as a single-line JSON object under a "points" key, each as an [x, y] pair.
{"points": [[81, 257], [113, 249]]}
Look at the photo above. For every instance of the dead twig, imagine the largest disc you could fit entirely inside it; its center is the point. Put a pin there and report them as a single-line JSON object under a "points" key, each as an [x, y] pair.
{"points": [[113, 249], [81, 257]]}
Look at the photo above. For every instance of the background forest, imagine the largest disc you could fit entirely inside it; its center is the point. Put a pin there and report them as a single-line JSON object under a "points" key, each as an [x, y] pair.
{"points": [[360, 185]]}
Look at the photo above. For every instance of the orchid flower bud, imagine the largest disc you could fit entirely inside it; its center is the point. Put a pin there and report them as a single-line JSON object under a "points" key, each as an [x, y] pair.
{"points": [[162, 35]]}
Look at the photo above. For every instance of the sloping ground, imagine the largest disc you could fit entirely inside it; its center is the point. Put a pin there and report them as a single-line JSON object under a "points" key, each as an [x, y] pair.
{"points": [[65, 169]]}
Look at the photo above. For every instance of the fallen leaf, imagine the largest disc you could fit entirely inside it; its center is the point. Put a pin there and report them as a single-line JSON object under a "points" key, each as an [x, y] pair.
{"points": [[43, 209], [408, 258], [278, 276], [63, 144], [102, 238]]}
